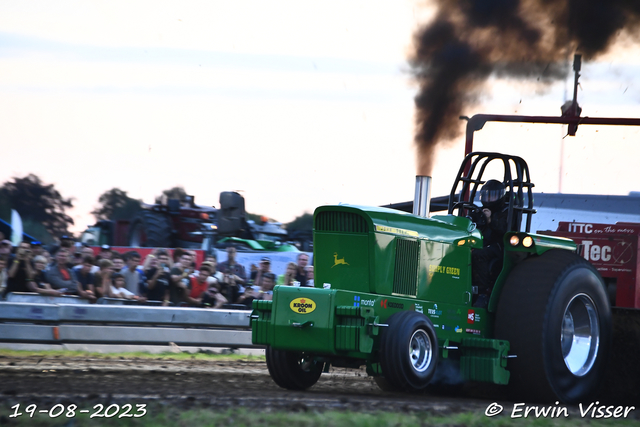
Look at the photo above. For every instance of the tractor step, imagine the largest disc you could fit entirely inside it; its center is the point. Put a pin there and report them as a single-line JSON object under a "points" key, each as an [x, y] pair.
{"points": [[484, 360]]}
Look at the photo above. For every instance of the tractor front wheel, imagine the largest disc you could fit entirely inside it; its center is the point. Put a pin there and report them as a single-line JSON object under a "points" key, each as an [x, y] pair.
{"points": [[555, 314], [408, 351], [291, 370]]}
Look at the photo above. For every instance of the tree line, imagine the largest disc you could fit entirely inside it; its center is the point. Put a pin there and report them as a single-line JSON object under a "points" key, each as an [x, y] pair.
{"points": [[43, 209]]}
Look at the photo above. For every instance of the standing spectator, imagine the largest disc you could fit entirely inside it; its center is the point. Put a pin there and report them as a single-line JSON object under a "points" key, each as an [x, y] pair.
{"points": [[158, 278], [20, 272], [36, 248], [310, 276], [267, 286], [118, 289], [178, 288], [102, 278], [47, 256], [265, 268], [3, 275], [60, 276], [67, 242], [201, 293], [289, 276], [86, 279], [118, 262], [147, 261], [234, 275], [264, 292], [40, 277], [77, 260], [87, 251], [132, 276], [216, 277], [5, 249], [231, 267], [301, 275], [213, 296], [194, 264], [105, 252]]}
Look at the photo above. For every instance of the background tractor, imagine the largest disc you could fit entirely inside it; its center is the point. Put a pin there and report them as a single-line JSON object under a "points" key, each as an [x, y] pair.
{"points": [[394, 292], [174, 223]]}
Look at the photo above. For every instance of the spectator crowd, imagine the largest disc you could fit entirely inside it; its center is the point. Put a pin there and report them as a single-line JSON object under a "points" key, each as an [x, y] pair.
{"points": [[162, 278]]}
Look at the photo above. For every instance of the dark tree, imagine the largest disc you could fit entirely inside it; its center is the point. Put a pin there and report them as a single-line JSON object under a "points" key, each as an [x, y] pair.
{"points": [[38, 202], [173, 193], [302, 222], [300, 232], [115, 204]]}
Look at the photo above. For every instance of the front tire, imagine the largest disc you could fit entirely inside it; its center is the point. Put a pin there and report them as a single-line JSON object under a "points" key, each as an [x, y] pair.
{"points": [[555, 314], [291, 370], [408, 351]]}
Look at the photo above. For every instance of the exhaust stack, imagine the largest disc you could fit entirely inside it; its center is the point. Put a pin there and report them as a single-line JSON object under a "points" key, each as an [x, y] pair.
{"points": [[422, 199]]}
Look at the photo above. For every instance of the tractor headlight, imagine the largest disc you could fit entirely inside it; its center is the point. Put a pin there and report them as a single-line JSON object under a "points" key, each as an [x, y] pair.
{"points": [[514, 240], [527, 242]]}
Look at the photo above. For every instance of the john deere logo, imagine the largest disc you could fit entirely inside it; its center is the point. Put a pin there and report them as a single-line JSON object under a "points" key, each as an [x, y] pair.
{"points": [[338, 261], [302, 305]]}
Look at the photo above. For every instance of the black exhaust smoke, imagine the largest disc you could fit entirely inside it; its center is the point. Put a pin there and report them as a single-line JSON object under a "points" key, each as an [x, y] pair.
{"points": [[470, 40]]}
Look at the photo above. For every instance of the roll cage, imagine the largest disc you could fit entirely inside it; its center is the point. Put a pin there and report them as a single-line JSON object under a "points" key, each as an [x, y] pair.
{"points": [[516, 180]]}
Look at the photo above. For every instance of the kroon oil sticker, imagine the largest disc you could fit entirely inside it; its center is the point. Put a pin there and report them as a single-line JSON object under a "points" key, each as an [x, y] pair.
{"points": [[303, 305]]}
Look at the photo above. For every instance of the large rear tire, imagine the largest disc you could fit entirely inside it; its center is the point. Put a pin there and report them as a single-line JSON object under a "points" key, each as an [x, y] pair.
{"points": [[555, 314], [150, 229], [408, 351], [291, 370]]}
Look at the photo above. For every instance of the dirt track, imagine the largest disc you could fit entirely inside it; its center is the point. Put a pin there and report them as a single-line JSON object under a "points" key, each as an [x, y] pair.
{"points": [[246, 383], [187, 382], [214, 384]]}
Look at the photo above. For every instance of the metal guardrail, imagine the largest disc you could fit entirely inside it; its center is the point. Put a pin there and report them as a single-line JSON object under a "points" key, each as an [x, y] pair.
{"points": [[58, 322]]}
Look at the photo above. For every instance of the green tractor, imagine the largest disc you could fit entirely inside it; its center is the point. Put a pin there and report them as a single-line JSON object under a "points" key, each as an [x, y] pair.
{"points": [[394, 292]]}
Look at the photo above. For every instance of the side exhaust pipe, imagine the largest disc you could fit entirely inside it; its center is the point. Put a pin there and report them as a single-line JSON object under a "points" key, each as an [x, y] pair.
{"points": [[422, 199]]}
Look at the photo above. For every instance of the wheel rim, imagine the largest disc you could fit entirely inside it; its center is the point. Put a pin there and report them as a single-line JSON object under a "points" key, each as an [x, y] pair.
{"points": [[580, 335], [420, 350], [306, 363]]}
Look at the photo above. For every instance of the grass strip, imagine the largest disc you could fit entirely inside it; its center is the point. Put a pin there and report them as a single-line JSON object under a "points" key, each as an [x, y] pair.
{"points": [[160, 415], [131, 355]]}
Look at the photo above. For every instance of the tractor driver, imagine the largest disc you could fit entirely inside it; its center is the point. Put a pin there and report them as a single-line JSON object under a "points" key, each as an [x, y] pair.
{"points": [[486, 263]]}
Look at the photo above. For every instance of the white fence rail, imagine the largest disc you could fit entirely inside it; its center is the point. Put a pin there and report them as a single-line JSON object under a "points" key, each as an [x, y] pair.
{"points": [[55, 321]]}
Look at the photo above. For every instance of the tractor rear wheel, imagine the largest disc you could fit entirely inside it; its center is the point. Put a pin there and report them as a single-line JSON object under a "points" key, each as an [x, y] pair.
{"points": [[150, 229], [291, 370], [408, 351], [555, 314]]}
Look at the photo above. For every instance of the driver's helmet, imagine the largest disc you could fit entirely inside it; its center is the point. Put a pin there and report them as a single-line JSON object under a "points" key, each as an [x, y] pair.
{"points": [[492, 193]]}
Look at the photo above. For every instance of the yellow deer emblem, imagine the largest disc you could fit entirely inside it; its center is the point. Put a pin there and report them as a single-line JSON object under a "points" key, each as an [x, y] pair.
{"points": [[337, 261]]}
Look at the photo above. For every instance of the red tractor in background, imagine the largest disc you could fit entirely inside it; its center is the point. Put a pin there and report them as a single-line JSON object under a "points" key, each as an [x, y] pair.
{"points": [[174, 223]]}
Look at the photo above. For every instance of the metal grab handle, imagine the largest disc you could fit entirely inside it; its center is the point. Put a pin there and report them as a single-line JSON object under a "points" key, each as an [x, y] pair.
{"points": [[378, 324], [302, 325]]}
